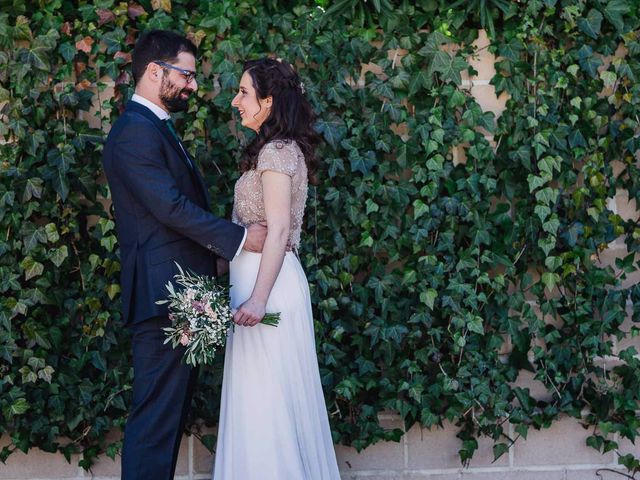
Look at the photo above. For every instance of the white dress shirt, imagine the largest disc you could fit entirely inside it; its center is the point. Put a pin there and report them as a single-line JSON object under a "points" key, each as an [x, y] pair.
{"points": [[162, 114]]}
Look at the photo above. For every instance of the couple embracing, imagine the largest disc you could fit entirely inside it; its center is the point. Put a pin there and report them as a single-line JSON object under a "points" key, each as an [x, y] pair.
{"points": [[273, 421]]}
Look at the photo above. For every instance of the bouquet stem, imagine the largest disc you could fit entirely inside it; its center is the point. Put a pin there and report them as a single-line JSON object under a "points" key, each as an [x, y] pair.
{"points": [[271, 319]]}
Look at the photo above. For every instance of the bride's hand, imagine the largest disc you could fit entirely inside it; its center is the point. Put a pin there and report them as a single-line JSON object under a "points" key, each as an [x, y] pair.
{"points": [[250, 313]]}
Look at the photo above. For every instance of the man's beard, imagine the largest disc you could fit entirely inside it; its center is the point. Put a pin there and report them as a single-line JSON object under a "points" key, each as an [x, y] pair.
{"points": [[170, 96]]}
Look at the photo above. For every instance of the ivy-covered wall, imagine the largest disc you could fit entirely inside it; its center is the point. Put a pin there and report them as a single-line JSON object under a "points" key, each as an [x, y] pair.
{"points": [[435, 281]]}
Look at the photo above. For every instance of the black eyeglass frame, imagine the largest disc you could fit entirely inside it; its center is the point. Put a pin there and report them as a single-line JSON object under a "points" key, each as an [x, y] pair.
{"points": [[188, 75]]}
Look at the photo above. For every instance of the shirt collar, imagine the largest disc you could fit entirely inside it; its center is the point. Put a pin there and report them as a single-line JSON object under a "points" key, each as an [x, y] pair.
{"points": [[159, 112]]}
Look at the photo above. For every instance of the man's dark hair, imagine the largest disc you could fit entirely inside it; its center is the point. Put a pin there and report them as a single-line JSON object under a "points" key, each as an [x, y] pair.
{"points": [[162, 45]]}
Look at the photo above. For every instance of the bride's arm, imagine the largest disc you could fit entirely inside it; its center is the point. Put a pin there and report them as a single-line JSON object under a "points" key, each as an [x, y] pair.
{"points": [[276, 188]]}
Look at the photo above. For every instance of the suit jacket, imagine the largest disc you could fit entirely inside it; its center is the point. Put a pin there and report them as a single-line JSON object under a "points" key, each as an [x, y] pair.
{"points": [[162, 212]]}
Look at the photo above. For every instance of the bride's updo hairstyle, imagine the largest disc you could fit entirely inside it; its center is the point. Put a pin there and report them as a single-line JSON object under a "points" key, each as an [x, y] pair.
{"points": [[291, 116]]}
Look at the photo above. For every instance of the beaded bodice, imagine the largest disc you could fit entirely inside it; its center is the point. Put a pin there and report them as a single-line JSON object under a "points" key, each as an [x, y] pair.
{"points": [[248, 202]]}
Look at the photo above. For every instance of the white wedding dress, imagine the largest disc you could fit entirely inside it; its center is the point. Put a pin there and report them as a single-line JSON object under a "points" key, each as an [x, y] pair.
{"points": [[273, 418]]}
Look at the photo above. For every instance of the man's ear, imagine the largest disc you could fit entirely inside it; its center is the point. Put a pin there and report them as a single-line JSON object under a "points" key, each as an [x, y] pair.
{"points": [[154, 72]]}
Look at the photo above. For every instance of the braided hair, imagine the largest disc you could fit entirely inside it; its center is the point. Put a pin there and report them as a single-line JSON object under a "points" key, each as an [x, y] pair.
{"points": [[291, 116]]}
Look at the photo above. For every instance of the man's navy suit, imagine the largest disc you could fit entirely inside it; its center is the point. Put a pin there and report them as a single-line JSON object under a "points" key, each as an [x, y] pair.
{"points": [[162, 216]]}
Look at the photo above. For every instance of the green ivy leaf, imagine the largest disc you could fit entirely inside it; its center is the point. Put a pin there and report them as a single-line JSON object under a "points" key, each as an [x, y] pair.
{"points": [[419, 81], [449, 67], [58, 255], [51, 232], [499, 449], [591, 24], [609, 78], [476, 325], [31, 268], [419, 208], [550, 280], [615, 10], [588, 61], [542, 211], [32, 189], [68, 51], [19, 407], [332, 131], [547, 244], [37, 58], [553, 263], [551, 226], [428, 297]]}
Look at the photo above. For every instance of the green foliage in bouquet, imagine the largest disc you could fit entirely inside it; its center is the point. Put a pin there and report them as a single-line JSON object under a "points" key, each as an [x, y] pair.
{"points": [[451, 254], [201, 316]]}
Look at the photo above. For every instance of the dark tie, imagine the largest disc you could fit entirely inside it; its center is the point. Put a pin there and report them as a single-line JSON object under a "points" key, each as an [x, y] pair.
{"points": [[172, 128]]}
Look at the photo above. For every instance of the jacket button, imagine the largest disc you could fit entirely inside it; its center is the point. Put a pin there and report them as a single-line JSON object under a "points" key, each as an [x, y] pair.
{"points": [[209, 246]]}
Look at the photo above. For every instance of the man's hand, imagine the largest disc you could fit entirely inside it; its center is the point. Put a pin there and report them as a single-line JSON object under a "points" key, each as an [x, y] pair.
{"points": [[222, 266], [256, 233]]}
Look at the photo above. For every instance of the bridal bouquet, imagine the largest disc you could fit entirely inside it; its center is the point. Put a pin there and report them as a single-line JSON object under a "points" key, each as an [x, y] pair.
{"points": [[201, 316]]}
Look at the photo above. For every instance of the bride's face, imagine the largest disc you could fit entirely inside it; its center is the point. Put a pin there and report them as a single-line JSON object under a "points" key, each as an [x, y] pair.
{"points": [[253, 111]]}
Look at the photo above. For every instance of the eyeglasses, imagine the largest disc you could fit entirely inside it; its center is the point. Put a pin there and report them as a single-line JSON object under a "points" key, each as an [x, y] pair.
{"points": [[187, 74]]}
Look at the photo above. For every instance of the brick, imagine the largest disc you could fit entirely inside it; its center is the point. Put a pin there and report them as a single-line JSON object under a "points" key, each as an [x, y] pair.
{"points": [[182, 467], [402, 130], [609, 256], [536, 388], [459, 154], [396, 54], [618, 167], [435, 448], [564, 443], [373, 68], [92, 117], [593, 474], [483, 457], [627, 341], [105, 466], [37, 465], [431, 476], [386, 476], [483, 61], [486, 97], [626, 208], [380, 456], [625, 446], [514, 475], [202, 458]]}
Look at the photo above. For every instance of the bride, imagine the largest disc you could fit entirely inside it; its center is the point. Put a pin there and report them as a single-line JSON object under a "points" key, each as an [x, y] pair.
{"points": [[273, 418]]}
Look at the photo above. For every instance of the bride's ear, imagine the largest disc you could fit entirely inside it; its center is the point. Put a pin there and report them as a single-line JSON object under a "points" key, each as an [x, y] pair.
{"points": [[268, 101]]}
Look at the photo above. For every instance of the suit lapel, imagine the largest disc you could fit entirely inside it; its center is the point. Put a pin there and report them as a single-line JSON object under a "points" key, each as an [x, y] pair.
{"points": [[160, 125]]}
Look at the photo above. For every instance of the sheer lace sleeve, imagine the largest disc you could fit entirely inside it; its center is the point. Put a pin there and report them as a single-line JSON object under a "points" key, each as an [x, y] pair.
{"points": [[278, 156]]}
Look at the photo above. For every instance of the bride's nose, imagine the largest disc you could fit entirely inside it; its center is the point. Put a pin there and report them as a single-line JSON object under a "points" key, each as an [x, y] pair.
{"points": [[234, 102]]}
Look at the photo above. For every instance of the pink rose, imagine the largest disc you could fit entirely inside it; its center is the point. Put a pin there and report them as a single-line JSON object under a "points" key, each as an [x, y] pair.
{"points": [[197, 306]]}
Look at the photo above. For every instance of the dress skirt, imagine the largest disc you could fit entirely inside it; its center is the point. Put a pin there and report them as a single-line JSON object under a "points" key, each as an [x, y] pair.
{"points": [[273, 417]]}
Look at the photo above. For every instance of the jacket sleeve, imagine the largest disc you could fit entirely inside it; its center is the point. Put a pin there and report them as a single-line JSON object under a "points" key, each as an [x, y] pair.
{"points": [[141, 166]]}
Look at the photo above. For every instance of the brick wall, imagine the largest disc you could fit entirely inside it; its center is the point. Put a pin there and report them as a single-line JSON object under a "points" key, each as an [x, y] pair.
{"points": [[557, 453]]}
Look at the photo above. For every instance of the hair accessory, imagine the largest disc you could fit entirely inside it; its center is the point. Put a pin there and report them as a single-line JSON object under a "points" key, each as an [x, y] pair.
{"points": [[302, 87]]}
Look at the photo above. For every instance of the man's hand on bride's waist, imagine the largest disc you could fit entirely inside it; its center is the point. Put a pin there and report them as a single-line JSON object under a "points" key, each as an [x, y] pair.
{"points": [[256, 234]]}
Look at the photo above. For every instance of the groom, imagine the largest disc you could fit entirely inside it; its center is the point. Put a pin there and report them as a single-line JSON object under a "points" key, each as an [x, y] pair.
{"points": [[162, 216]]}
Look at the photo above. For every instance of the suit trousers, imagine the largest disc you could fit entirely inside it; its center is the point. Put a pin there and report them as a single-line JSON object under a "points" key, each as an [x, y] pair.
{"points": [[162, 391]]}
